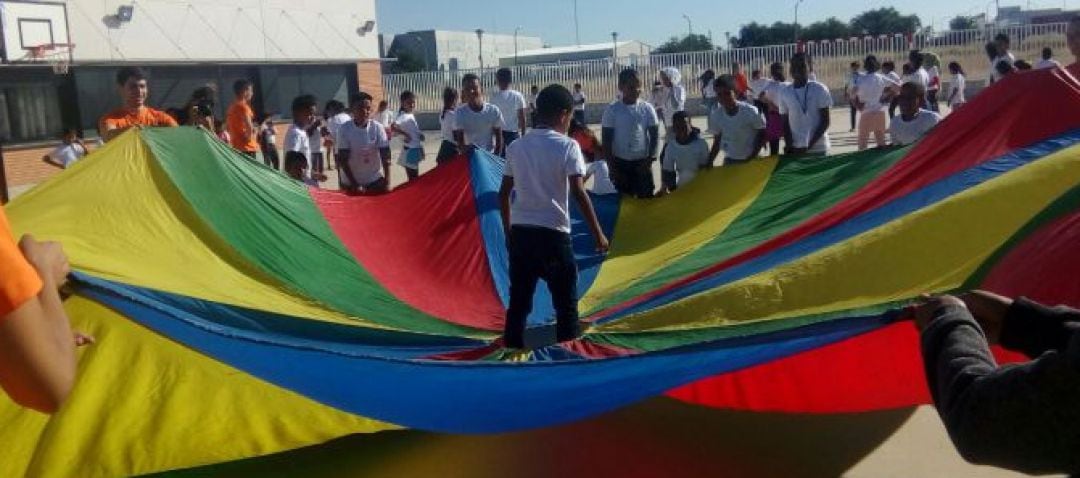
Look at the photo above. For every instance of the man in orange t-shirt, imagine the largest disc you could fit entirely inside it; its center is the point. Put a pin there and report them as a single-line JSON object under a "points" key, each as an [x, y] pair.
{"points": [[742, 85], [240, 120], [37, 351], [131, 84]]}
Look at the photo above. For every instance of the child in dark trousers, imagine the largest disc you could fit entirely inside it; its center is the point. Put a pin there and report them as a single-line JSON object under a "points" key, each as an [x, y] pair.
{"points": [[542, 169]]}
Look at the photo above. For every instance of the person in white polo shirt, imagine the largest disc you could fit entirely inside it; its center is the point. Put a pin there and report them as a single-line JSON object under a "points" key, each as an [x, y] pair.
{"points": [[512, 105], [914, 121], [804, 105], [630, 136], [737, 127], [867, 96], [477, 124], [364, 150], [70, 151]]}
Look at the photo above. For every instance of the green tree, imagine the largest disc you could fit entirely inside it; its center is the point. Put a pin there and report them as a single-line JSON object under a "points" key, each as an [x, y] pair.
{"points": [[830, 29], [962, 23], [688, 43], [757, 34], [884, 21]]}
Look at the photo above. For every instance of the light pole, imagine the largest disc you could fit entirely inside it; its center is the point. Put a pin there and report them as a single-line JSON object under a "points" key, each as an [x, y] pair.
{"points": [[689, 25], [480, 40], [577, 29], [516, 30], [614, 47], [797, 2]]}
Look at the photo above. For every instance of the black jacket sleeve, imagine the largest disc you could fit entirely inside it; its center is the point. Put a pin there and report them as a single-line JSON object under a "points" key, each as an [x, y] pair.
{"points": [[1033, 328], [1022, 417]]}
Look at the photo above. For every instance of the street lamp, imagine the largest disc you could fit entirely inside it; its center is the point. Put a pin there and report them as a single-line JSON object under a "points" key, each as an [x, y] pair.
{"points": [[614, 47], [577, 29], [689, 24], [797, 2], [516, 30], [480, 39]]}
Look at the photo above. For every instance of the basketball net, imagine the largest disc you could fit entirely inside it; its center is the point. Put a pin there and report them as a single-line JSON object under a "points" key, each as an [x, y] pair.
{"points": [[57, 55]]}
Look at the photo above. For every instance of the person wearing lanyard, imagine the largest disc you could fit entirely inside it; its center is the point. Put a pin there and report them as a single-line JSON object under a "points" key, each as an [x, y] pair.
{"points": [[804, 106]]}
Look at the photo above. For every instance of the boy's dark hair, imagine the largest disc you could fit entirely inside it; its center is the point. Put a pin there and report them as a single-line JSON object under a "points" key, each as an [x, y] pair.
{"points": [[534, 87], [334, 107], [803, 57], [70, 130], [1001, 37], [628, 75], [293, 160], [383, 104], [681, 115], [128, 72], [359, 98], [469, 77], [304, 102], [406, 95], [577, 85], [956, 66], [1047, 53], [911, 87], [991, 50], [870, 64], [755, 73], [854, 64], [553, 101], [888, 65], [1022, 65], [1003, 67], [915, 57], [724, 81], [240, 85], [504, 74]]}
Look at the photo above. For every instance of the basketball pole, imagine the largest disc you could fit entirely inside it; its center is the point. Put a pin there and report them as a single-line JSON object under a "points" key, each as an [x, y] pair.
{"points": [[3, 177]]}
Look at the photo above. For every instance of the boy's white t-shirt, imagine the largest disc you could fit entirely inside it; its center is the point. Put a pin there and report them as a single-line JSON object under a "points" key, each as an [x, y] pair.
{"points": [[364, 143], [904, 133], [68, 154], [334, 126], [803, 107], [674, 101], [385, 118], [738, 133], [478, 125], [297, 141], [709, 90], [580, 97], [630, 124], [758, 86], [446, 125], [1046, 64], [869, 90], [601, 176], [408, 123], [541, 163], [958, 84], [509, 103], [685, 159]]}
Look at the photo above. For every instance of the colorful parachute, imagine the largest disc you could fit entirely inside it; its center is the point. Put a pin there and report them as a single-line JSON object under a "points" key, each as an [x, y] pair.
{"points": [[239, 313]]}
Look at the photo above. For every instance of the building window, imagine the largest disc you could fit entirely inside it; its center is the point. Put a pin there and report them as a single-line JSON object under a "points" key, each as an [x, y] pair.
{"points": [[29, 112]]}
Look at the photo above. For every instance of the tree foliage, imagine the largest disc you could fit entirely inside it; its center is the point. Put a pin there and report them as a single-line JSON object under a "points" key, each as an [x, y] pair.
{"points": [[884, 20], [872, 22], [688, 43], [962, 23]]}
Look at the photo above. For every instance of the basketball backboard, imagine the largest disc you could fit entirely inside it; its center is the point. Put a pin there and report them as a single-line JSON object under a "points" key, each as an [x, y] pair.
{"points": [[27, 25]]}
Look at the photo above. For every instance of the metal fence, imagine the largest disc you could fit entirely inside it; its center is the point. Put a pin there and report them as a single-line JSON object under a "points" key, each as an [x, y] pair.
{"points": [[831, 62]]}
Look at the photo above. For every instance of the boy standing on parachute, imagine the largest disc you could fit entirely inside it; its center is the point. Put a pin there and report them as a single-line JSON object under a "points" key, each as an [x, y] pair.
{"points": [[542, 168]]}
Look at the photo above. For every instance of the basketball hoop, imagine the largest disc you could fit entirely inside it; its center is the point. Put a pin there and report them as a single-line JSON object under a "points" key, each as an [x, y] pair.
{"points": [[57, 55]]}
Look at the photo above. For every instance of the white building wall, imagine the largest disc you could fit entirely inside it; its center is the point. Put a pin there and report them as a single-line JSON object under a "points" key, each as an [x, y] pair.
{"points": [[465, 48], [222, 30]]}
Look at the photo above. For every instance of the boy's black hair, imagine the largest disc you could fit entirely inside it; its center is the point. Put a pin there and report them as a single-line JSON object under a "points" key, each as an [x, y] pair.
{"points": [[358, 98], [681, 115], [552, 101], [1003, 67], [724, 81], [295, 160], [128, 72], [1022, 65], [70, 130], [382, 103], [854, 64], [1047, 53], [534, 87], [334, 106], [628, 75], [870, 64], [802, 56], [504, 74], [304, 102], [956, 65], [888, 65], [240, 85], [756, 72], [991, 50], [406, 95], [915, 57], [1002, 37], [577, 85], [469, 77], [919, 90]]}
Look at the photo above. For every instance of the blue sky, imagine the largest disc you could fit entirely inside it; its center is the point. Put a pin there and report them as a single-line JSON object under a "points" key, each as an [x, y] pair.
{"points": [[651, 21]]}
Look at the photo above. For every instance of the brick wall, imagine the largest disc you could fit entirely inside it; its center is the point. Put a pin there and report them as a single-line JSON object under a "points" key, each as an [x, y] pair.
{"points": [[369, 73], [24, 166]]}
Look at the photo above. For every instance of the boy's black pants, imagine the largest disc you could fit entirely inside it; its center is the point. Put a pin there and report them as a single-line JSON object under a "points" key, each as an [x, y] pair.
{"points": [[541, 253]]}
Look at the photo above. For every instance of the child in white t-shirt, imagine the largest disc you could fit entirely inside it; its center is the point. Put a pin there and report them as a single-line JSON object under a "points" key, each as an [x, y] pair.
{"points": [[542, 170], [364, 150], [448, 149], [477, 124], [407, 126], [956, 97], [805, 107], [297, 144], [69, 152], [913, 122], [686, 153], [737, 127]]}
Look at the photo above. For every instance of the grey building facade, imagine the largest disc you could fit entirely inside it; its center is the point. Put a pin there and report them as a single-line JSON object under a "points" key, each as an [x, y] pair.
{"points": [[441, 50]]}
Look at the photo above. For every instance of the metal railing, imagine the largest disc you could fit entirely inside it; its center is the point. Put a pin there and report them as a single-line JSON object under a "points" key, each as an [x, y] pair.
{"points": [[831, 62]]}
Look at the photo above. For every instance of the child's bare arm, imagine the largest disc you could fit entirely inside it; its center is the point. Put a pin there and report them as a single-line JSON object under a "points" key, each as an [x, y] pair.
{"points": [[577, 187], [504, 203]]}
